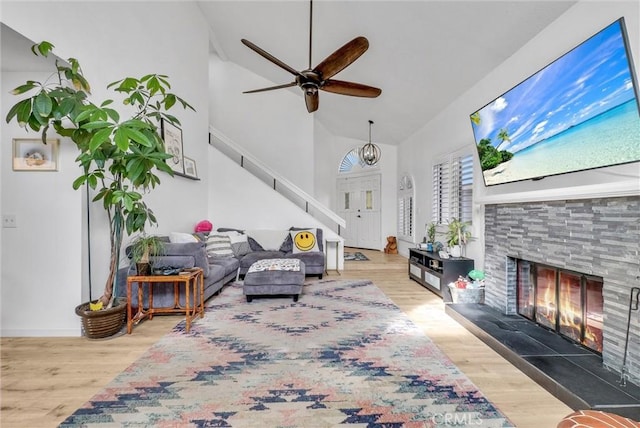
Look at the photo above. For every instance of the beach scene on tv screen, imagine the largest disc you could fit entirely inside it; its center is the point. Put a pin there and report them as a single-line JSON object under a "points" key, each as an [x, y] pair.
{"points": [[579, 112]]}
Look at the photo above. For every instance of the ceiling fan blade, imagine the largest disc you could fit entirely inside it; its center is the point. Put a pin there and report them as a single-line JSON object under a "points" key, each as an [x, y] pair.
{"points": [[312, 100], [270, 57], [271, 88], [350, 88], [341, 58]]}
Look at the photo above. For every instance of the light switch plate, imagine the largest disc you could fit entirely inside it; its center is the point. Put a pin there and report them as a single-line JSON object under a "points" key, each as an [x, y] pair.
{"points": [[9, 221]]}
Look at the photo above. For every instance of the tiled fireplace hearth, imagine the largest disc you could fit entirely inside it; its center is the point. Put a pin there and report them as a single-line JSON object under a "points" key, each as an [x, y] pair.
{"points": [[596, 237]]}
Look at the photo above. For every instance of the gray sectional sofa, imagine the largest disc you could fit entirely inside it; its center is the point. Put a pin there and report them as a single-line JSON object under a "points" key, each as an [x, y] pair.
{"points": [[314, 261], [219, 271]]}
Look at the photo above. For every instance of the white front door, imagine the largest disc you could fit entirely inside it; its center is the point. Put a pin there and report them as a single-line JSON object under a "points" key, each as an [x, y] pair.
{"points": [[359, 202]]}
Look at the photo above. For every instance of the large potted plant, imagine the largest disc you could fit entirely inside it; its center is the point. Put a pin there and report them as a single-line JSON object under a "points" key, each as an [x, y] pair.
{"points": [[119, 155], [458, 235]]}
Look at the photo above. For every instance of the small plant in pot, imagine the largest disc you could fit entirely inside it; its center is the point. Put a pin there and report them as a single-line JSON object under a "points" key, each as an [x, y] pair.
{"points": [[458, 235], [431, 236], [118, 155], [141, 248]]}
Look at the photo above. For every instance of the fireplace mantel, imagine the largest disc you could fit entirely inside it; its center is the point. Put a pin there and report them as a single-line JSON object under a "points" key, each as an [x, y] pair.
{"points": [[619, 189]]}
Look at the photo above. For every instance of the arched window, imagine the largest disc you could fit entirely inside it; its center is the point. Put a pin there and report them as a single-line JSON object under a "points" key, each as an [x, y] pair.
{"points": [[349, 161]]}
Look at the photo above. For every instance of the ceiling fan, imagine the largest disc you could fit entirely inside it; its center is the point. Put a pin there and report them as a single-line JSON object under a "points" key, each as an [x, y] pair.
{"points": [[319, 78]]}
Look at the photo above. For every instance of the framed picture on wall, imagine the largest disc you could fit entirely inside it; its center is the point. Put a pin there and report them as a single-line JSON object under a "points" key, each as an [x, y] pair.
{"points": [[172, 136], [190, 167], [34, 155]]}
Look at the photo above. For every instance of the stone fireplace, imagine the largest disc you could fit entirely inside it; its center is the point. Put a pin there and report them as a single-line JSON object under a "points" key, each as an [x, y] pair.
{"points": [[576, 245]]}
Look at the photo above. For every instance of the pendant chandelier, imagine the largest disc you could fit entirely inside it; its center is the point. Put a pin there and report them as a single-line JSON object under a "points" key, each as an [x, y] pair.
{"points": [[370, 153]]}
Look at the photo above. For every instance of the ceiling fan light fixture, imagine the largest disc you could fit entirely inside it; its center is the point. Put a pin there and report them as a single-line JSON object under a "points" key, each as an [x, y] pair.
{"points": [[314, 79], [310, 88], [370, 153]]}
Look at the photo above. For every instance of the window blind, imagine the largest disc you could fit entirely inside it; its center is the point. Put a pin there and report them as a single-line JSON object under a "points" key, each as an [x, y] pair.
{"points": [[441, 193], [453, 189], [405, 209]]}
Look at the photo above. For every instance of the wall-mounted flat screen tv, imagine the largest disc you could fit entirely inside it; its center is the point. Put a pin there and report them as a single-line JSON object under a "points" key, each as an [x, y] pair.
{"points": [[579, 112]]}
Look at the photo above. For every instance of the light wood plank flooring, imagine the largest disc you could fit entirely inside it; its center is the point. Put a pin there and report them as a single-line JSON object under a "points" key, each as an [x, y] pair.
{"points": [[46, 379]]}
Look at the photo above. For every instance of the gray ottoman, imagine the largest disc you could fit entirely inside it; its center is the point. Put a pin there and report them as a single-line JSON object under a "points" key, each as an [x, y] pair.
{"points": [[274, 277]]}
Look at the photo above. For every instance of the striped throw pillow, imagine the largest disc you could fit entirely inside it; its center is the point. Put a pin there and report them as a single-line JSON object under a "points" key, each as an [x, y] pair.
{"points": [[219, 246]]}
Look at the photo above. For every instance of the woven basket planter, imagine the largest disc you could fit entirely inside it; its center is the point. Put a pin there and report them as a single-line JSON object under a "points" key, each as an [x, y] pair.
{"points": [[104, 323]]}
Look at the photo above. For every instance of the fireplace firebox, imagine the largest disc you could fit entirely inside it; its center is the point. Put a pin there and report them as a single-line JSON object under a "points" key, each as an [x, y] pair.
{"points": [[567, 302]]}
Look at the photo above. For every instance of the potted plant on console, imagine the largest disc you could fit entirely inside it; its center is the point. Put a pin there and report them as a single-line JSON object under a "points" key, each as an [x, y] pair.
{"points": [[118, 156], [431, 236], [458, 235]]}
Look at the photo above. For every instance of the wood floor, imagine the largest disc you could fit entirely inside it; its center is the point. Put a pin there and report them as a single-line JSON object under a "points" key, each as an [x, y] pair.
{"points": [[46, 379]]}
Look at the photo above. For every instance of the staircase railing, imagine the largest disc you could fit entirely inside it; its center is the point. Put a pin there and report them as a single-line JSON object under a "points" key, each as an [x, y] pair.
{"points": [[280, 184]]}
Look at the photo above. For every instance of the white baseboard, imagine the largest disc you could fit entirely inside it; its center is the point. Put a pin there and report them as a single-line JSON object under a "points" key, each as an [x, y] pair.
{"points": [[67, 332]]}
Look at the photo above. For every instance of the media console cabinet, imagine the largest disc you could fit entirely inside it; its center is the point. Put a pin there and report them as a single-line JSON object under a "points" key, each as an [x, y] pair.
{"points": [[434, 272]]}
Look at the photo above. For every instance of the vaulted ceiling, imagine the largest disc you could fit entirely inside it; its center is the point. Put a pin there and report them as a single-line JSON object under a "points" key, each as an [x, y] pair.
{"points": [[422, 54]]}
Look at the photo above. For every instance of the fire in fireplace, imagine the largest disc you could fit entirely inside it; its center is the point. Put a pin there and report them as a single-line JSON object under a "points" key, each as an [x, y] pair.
{"points": [[568, 302]]}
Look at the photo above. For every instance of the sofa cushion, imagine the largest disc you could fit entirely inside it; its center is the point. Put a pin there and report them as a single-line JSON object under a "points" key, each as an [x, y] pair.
{"points": [[184, 249], [230, 264], [184, 262], [182, 238], [217, 273], [319, 237], [229, 229], [192, 249], [266, 239], [239, 242], [254, 245], [240, 248], [219, 246], [287, 245], [304, 241], [311, 259]]}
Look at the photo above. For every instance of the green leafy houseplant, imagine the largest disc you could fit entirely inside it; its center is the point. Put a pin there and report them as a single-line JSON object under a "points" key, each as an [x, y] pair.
{"points": [[431, 232], [144, 246], [458, 233], [118, 157]]}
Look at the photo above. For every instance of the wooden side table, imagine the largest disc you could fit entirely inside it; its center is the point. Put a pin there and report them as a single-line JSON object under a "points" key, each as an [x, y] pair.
{"points": [[193, 280]]}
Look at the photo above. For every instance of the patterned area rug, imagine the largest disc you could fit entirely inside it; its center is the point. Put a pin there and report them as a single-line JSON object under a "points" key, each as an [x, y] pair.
{"points": [[344, 354], [357, 256]]}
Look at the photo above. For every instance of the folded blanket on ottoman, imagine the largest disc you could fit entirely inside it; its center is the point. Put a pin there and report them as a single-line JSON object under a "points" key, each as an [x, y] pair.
{"points": [[271, 277]]}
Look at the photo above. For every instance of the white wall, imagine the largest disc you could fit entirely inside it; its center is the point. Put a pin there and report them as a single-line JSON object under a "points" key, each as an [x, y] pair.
{"points": [[325, 166], [242, 201], [273, 126], [42, 258], [451, 129], [111, 40]]}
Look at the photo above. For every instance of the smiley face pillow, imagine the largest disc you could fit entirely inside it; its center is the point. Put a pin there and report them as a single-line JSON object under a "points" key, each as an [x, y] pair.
{"points": [[304, 241]]}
